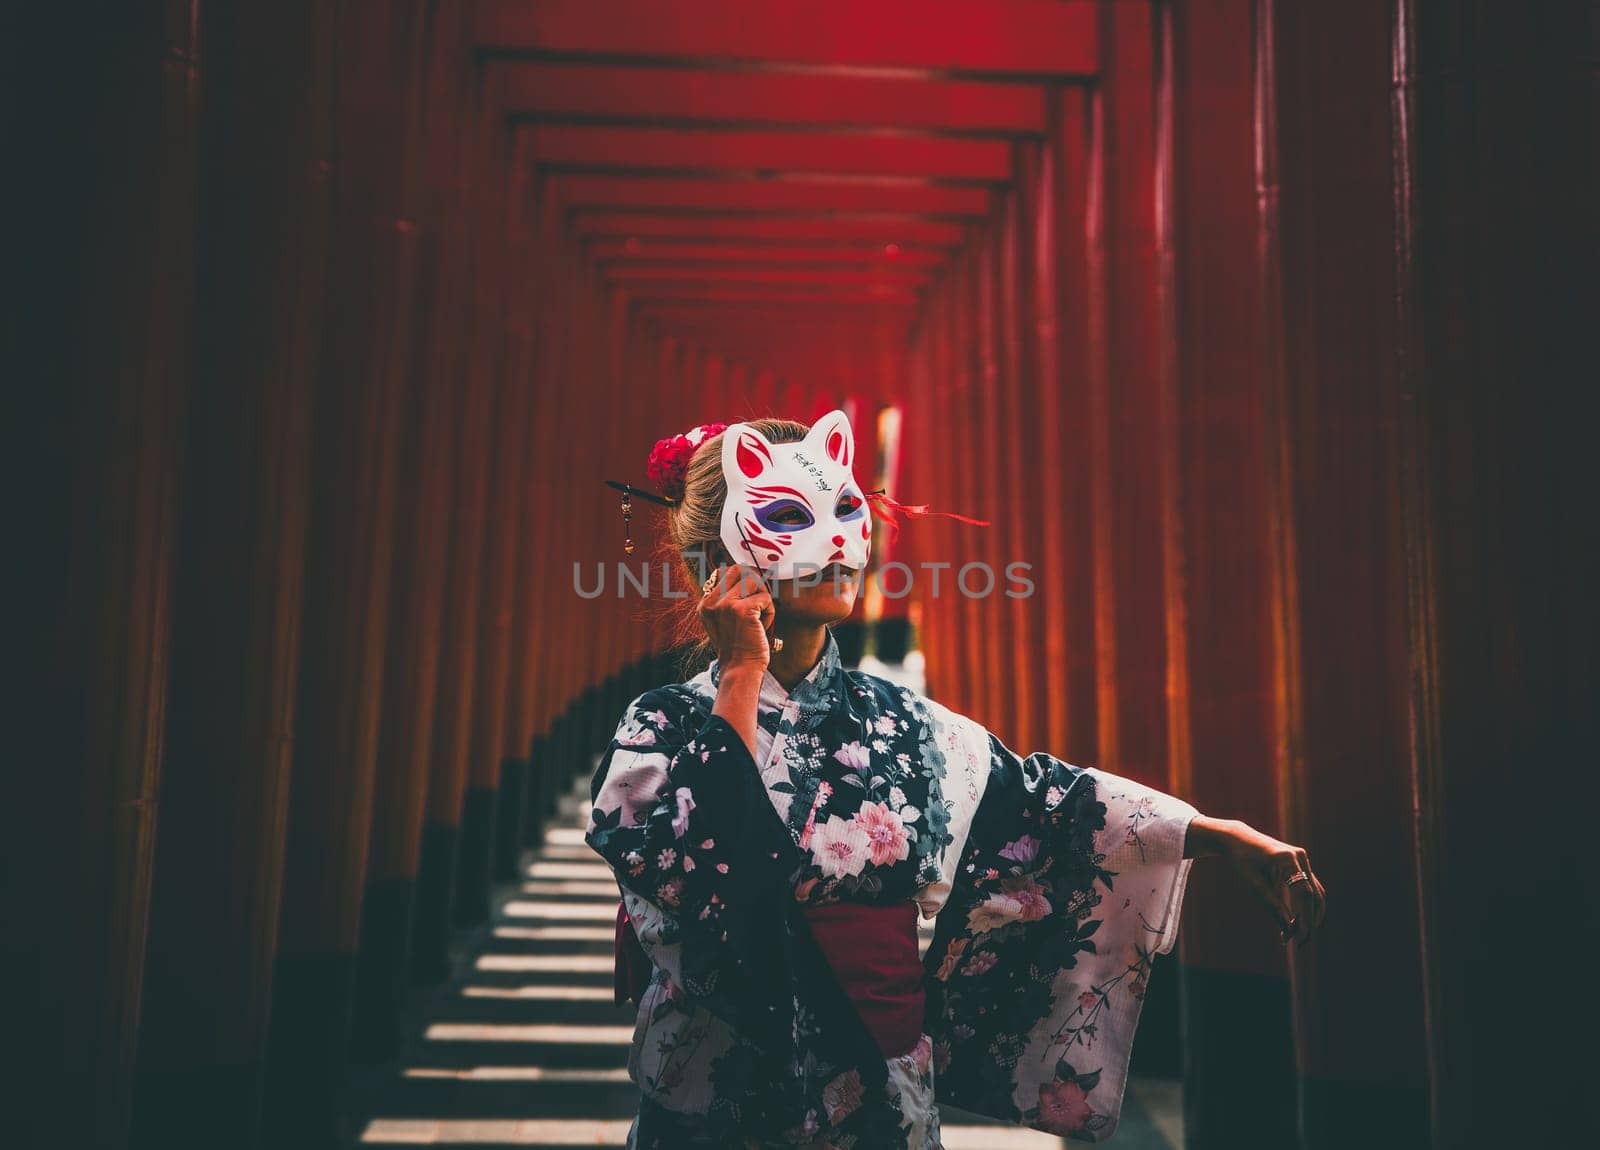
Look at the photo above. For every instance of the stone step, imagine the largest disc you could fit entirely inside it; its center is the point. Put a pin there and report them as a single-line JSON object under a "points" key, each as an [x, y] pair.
{"points": [[461, 1045], [560, 1006], [487, 1134], [502, 969], [551, 938], [499, 1091], [570, 890]]}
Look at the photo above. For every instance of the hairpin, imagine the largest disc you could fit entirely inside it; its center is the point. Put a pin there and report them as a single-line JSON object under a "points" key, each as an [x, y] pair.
{"points": [[628, 492], [628, 489], [668, 468]]}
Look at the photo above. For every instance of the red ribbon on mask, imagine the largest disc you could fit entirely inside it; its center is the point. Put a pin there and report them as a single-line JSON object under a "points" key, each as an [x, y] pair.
{"points": [[890, 511]]}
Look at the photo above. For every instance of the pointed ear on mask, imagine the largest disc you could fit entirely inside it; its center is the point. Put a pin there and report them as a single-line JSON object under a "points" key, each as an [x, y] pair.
{"points": [[831, 436], [745, 452]]}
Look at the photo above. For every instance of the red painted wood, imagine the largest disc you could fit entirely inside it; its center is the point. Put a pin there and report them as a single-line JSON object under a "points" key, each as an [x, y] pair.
{"points": [[262, 308], [972, 479], [698, 150], [880, 230], [105, 334], [479, 390], [1232, 601], [642, 279], [1494, 117], [1341, 529], [672, 252], [803, 196], [771, 319], [792, 293], [988, 608], [539, 578], [1033, 37], [1022, 663], [508, 479], [428, 485], [559, 91], [1068, 178], [353, 523], [352, 544], [1131, 584]]}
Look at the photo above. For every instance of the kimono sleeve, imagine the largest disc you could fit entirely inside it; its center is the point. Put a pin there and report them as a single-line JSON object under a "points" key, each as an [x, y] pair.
{"points": [[681, 816], [1070, 880]]}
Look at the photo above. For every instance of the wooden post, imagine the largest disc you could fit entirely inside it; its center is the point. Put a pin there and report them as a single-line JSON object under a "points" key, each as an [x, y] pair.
{"points": [[411, 672], [1225, 614], [1063, 240], [477, 388], [103, 343], [266, 197], [1493, 120], [363, 393], [511, 450]]}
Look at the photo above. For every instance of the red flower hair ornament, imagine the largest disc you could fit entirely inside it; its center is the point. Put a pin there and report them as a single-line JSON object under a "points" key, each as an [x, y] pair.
{"points": [[668, 468]]}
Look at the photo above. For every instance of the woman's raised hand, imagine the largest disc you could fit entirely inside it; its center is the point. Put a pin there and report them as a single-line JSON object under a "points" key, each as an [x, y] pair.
{"points": [[736, 608]]}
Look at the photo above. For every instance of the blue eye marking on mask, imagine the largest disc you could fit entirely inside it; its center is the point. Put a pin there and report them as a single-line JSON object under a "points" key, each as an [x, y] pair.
{"points": [[785, 515]]}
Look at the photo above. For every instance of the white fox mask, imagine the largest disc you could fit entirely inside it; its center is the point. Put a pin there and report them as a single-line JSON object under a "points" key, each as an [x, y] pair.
{"points": [[794, 508]]}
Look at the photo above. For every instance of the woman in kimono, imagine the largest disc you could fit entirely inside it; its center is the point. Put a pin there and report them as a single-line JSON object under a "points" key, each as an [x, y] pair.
{"points": [[777, 824]]}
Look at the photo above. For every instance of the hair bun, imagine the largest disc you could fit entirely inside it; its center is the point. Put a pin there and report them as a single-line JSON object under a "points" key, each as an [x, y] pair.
{"points": [[668, 468]]}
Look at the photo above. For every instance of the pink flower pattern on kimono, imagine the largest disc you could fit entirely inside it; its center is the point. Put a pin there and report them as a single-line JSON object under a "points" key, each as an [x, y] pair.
{"points": [[885, 833], [1063, 1107], [1023, 850], [1028, 895], [854, 756], [841, 847], [823, 791], [1019, 899], [980, 963], [952, 956], [680, 822]]}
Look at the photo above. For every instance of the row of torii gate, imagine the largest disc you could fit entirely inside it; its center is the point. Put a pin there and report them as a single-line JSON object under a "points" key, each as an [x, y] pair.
{"points": [[1251, 325]]}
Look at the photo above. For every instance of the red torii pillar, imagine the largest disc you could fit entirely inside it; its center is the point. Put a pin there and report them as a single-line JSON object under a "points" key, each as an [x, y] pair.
{"points": [[479, 394], [365, 394], [508, 481], [417, 599], [228, 737], [1226, 654], [1068, 238], [115, 142]]}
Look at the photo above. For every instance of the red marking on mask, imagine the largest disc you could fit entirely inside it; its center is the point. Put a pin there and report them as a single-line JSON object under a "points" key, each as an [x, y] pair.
{"points": [[752, 455]]}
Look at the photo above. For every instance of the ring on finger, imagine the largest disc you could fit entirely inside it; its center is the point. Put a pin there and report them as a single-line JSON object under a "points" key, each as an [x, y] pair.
{"points": [[709, 585], [1297, 876]]}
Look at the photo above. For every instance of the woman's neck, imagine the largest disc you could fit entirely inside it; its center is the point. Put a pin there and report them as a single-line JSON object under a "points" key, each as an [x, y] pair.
{"points": [[802, 647]]}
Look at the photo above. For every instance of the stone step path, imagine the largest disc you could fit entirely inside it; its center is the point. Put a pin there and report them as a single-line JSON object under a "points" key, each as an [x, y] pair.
{"points": [[527, 1049]]}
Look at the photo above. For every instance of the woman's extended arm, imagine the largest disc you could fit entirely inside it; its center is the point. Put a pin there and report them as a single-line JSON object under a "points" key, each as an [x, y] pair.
{"points": [[1270, 866]]}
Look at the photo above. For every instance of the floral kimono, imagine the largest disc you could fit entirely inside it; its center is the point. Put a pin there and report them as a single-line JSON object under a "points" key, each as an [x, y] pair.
{"points": [[1051, 887]]}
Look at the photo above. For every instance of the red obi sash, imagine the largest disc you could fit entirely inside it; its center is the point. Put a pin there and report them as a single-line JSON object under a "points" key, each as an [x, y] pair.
{"points": [[632, 971], [873, 953]]}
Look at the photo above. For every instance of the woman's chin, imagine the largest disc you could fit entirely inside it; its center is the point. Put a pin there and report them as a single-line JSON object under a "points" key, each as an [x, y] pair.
{"points": [[820, 605]]}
